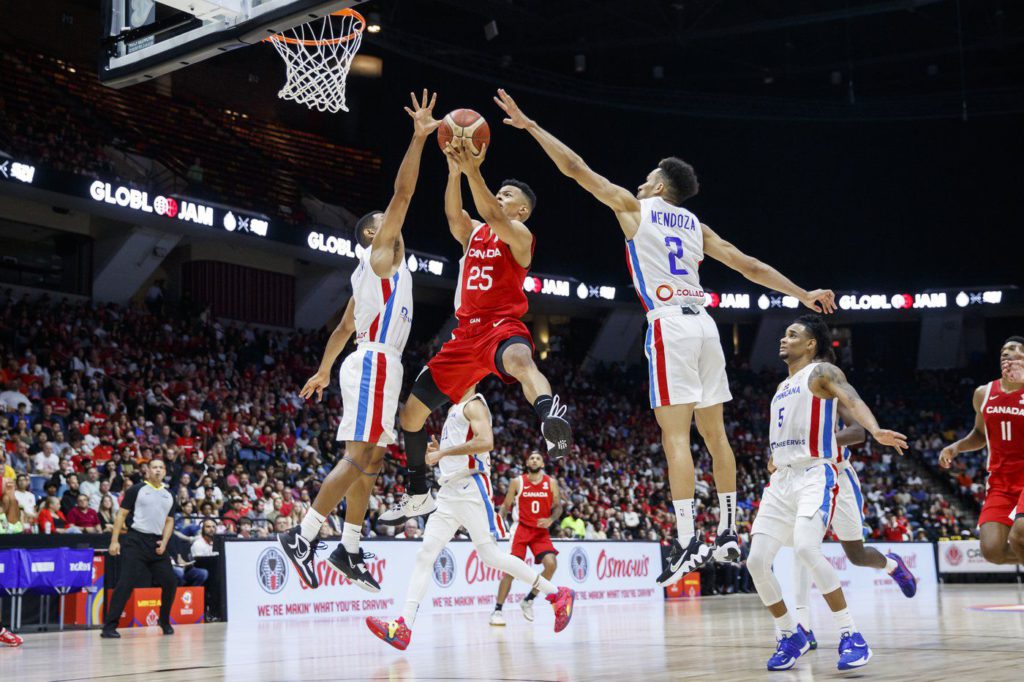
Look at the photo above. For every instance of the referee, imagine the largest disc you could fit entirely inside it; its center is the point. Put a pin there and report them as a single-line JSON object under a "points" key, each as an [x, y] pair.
{"points": [[147, 510]]}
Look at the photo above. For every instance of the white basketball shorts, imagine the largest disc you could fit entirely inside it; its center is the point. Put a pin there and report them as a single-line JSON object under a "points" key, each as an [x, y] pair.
{"points": [[848, 521], [466, 502], [797, 492], [371, 380], [685, 362]]}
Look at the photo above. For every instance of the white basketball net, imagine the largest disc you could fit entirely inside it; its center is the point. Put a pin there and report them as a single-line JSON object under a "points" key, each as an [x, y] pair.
{"points": [[318, 56]]}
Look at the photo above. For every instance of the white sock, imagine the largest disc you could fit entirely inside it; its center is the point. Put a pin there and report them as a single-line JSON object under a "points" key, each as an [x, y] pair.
{"points": [[311, 524], [726, 512], [544, 586], [785, 624], [844, 621], [350, 537], [409, 613], [684, 520], [803, 616], [890, 565]]}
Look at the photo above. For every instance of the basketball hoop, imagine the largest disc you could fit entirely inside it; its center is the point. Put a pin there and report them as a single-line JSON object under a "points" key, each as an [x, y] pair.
{"points": [[317, 58]]}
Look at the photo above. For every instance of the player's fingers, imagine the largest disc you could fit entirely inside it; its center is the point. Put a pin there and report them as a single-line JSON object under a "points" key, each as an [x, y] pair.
{"points": [[409, 111], [501, 104], [433, 100], [424, 97], [415, 102]]}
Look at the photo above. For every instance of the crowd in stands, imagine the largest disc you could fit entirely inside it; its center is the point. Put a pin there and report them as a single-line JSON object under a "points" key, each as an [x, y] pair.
{"points": [[91, 392]]}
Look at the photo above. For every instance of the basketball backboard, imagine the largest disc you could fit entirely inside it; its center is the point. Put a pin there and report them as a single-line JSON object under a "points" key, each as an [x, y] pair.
{"points": [[144, 39]]}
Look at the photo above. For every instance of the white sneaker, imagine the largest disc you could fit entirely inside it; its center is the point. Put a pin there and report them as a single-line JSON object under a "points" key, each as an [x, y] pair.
{"points": [[408, 507], [527, 607], [498, 618]]}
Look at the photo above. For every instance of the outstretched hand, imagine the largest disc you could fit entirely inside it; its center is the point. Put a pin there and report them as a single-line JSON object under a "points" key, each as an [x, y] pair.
{"points": [[315, 386], [422, 113], [820, 300], [947, 456], [893, 439], [516, 117], [433, 448]]}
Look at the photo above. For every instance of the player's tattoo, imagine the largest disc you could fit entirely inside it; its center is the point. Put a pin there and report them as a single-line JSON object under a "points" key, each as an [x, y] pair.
{"points": [[835, 377]]}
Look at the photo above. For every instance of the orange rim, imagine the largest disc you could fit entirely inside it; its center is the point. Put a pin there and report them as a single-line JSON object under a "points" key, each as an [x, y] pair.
{"points": [[359, 23]]}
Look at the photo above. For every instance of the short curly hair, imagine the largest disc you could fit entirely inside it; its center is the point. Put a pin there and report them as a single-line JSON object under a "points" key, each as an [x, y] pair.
{"points": [[822, 335], [680, 179]]}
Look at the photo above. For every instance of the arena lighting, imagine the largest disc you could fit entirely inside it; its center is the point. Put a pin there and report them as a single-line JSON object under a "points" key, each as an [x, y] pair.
{"points": [[893, 302], [732, 301], [373, 22], [14, 170], [763, 302]]}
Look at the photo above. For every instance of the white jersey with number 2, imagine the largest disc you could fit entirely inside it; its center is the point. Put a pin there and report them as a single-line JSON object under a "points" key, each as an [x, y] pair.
{"points": [[665, 254]]}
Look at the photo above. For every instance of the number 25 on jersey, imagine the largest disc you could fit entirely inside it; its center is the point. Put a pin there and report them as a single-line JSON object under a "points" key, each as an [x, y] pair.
{"points": [[479, 278]]}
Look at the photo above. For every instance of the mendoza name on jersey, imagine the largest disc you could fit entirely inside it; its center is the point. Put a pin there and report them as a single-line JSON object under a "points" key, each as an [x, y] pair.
{"points": [[668, 219]]}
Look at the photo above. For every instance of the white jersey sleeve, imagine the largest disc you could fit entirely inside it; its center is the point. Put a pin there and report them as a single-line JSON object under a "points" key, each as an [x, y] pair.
{"points": [[665, 254], [456, 431], [802, 427], [383, 305]]}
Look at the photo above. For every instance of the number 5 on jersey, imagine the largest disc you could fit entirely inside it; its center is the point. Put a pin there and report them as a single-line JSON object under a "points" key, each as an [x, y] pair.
{"points": [[480, 278]]}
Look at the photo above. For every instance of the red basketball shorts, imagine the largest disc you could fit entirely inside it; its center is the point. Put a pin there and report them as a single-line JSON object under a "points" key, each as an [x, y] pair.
{"points": [[537, 540], [1002, 498], [468, 356]]}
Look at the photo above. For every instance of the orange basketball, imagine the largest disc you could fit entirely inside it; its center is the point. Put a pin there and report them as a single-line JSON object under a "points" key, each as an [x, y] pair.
{"points": [[465, 125]]}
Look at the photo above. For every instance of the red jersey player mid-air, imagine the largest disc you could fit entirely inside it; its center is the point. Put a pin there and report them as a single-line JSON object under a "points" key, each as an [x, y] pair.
{"points": [[538, 506], [999, 424], [489, 338]]}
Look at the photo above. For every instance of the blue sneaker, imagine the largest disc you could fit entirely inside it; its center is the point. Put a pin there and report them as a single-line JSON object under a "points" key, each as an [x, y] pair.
{"points": [[789, 649], [902, 575], [854, 652], [809, 634]]}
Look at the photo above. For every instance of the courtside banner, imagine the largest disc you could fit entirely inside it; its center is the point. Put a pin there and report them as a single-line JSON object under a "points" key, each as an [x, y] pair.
{"points": [[262, 585], [964, 556], [866, 585]]}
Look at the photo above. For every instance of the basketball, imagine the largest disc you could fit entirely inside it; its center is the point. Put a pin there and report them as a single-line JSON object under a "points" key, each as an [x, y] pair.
{"points": [[466, 125]]}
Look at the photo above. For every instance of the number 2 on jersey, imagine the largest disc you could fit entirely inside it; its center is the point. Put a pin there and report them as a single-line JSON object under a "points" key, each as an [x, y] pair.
{"points": [[675, 248], [480, 278]]}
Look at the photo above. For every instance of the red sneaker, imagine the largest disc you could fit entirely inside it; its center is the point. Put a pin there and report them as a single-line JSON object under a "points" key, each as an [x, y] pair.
{"points": [[562, 601], [394, 632], [8, 638]]}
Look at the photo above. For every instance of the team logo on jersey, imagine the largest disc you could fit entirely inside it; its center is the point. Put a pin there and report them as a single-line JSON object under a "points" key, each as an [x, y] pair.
{"points": [[954, 556], [272, 570], [444, 568], [545, 485], [405, 314], [579, 565], [663, 292]]}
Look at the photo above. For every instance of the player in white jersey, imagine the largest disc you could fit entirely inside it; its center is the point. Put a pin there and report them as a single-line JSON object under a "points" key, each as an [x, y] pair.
{"points": [[799, 502], [463, 457], [848, 526], [665, 244], [380, 315]]}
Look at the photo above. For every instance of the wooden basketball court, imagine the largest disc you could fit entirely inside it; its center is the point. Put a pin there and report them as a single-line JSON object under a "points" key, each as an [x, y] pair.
{"points": [[973, 632]]}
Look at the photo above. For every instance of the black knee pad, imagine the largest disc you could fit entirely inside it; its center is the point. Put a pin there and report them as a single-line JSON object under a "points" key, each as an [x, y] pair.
{"points": [[427, 391], [510, 341]]}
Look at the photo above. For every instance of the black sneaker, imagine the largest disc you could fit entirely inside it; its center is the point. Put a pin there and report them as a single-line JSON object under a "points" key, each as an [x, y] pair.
{"points": [[727, 547], [167, 629], [302, 554], [556, 430], [682, 561], [352, 565], [110, 634]]}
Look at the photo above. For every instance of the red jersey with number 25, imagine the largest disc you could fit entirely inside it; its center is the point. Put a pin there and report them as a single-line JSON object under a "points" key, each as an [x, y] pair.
{"points": [[1004, 427], [490, 280], [533, 502]]}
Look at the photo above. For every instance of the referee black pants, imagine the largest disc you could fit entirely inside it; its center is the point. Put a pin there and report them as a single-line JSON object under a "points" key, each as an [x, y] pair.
{"points": [[141, 566]]}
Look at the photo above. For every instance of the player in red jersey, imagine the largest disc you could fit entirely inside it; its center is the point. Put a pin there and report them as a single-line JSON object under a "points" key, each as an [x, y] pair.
{"points": [[538, 505], [490, 338], [999, 424]]}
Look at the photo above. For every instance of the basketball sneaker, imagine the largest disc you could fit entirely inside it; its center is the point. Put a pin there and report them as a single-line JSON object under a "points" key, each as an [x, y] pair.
{"points": [[902, 575], [527, 606], [788, 650], [854, 652], [408, 507], [809, 634], [352, 565], [302, 553], [498, 618], [394, 632], [727, 547], [8, 638], [684, 560], [562, 602], [556, 430]]}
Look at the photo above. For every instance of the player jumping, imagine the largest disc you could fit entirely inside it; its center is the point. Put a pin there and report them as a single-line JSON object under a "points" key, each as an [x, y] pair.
{"points": [[490, 338], [665, 244], [464, 500], [538, 504], [798, 504], [999, 424], [380, 314]]}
